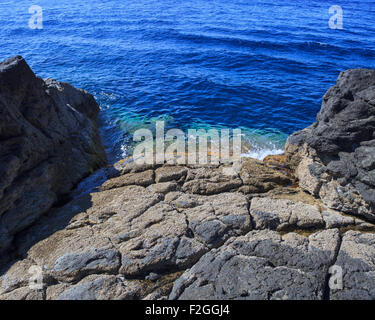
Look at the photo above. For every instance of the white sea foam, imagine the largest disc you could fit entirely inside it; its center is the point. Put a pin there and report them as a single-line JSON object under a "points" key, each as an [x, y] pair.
{"points": [[260, 154]]}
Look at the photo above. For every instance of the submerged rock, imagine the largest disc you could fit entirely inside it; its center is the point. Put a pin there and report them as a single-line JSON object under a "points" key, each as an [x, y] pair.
{"points": [[48, 142]]}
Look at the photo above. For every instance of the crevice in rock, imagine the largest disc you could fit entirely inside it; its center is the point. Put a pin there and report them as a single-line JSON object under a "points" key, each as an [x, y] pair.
{"points": [[326, 288]]}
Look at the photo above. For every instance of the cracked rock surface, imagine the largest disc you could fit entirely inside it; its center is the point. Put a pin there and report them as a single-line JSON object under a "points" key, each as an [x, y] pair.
{"points": [[49, 142], [251, 231], [138, 238], [356, 257], [334, 159], [262, 265]]}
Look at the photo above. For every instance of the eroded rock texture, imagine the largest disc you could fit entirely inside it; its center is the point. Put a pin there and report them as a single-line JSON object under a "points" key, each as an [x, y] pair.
{"points": [[335, 157], [211, 232], [149, 235], [48, 143], [262, 265]]}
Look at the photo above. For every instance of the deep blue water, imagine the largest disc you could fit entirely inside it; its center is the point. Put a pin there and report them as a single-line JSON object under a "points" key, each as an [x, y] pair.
{"points": [[260, 65]]}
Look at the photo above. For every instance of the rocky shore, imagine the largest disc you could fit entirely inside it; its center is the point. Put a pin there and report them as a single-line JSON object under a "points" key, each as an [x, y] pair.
{"points": [[271, 231], [48, 143]]}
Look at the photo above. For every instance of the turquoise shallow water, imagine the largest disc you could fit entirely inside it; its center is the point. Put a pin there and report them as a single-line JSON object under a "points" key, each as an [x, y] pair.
{"points": [[262, 66]]}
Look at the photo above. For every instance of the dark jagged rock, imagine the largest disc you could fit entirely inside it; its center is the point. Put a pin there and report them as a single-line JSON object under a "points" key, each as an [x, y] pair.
{"points": [[262, 265], [335, 157], [245, 231], [48, 142]]}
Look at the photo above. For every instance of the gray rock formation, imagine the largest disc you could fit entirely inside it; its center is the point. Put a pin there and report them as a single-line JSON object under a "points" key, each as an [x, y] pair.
{"points": [[282, 214], [48, 142], [144, 226], [190, 232], [356, 257], [262, 265], [335, 157], [140, 238]]}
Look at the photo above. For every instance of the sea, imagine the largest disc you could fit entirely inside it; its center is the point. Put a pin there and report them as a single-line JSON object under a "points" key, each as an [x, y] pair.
{"points": [[261, 66]]}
